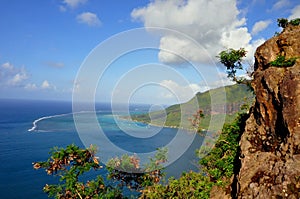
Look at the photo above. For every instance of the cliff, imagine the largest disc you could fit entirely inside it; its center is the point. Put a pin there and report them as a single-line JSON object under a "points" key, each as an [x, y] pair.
{"points": [[270, 144]]}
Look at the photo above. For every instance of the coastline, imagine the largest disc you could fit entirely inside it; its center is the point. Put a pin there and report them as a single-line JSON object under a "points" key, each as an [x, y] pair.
{"points": [[127, 118]]}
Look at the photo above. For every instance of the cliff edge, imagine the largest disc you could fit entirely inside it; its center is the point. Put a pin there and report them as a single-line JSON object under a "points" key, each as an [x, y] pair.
{"points": [[270, 144]]}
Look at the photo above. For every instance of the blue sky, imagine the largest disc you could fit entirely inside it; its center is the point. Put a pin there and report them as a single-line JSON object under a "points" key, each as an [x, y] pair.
{"points": [[44, 45]]}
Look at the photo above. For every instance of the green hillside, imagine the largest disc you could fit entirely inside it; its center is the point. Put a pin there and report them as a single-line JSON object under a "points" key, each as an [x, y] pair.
{"points": [[217, 102]]}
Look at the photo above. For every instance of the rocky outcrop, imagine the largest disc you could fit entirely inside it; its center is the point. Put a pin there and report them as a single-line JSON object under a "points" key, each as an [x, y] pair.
{"points": [[270, 145]]}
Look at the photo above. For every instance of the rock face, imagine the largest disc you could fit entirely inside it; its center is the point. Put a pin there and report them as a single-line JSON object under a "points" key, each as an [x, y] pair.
{"points": [[270, 145]]}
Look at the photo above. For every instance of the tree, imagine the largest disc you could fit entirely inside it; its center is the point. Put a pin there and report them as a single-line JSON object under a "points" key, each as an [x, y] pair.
{"points": [[72, 162], [127, 171], [232, 59], [69, 164], [282, 22]]}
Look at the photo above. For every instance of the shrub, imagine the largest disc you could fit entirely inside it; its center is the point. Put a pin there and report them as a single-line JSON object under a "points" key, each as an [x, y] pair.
{"points": [[282, 22], [281, 61], [72, 162], [126, 171], [69, 164]]}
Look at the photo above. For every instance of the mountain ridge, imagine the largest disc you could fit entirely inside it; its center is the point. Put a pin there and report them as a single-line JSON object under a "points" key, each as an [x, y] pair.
{"points": [[227, 101]]}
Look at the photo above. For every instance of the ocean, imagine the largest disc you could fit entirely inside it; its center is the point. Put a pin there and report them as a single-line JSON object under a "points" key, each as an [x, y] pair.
{"points": [[30, 128]]}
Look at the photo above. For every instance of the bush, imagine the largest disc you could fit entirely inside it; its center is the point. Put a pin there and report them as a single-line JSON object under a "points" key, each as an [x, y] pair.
{"points": [[69, 164], [281, 61], [190, 185], [283, 23], [295, 22], [72, 162], [126, 171]]}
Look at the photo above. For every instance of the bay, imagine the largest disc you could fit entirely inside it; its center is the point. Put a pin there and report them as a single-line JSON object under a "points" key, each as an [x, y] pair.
{"points": [[20, 147]]}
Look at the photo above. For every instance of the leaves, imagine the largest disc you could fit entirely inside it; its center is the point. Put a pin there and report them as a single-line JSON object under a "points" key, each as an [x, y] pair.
{"points": [[217, 168], [69, 164], [72, 162], [127, 172], [281, 61], [232, 60], [189, 185], [283, 23]]}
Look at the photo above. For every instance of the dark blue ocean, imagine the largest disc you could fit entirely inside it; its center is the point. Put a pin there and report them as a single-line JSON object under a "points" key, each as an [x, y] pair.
{"points": [[55, 127]]}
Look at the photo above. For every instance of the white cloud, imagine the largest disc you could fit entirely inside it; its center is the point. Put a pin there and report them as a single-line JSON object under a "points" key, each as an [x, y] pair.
{"points": [[18, 78], [73, 3], [295, 13], [280, 4], [260, 26], [45, 85], [11, 76], [181, 93], [8, 66], [31, 86], [89, 18], [214, 25]]}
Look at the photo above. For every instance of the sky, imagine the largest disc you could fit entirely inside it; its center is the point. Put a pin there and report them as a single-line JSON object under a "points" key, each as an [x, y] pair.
{"points": [[137, 51]]}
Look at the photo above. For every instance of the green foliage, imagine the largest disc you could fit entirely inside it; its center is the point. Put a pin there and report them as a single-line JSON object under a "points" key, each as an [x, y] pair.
{"points": [[281, 61], [72, 162], [127, 171], [190, 185], [69, 164], [295, 22], [232, 60], [283, 23], [217, 166], [219, 163], [179, 115]]}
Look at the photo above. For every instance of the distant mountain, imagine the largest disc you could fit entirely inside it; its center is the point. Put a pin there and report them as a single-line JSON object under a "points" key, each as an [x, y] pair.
{"points": [[225, 100]]}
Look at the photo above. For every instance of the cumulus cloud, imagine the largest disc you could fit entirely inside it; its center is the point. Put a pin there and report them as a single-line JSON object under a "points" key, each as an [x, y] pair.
{"points": [[295, 13], [46, 85], [18, 78], [260, 26], [182, 93], [214, 25], [12, 76], [30, 86], [89, 18], [8, 66]]}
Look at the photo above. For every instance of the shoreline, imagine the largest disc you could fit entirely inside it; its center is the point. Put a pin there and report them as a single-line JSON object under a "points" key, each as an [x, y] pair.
{"points": [[127, 118]]}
